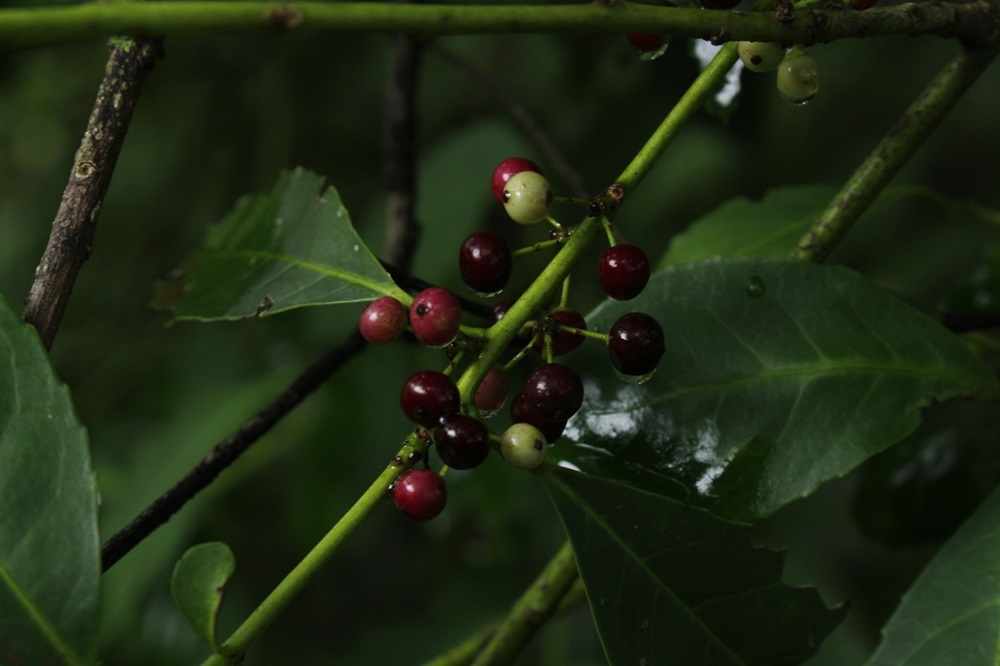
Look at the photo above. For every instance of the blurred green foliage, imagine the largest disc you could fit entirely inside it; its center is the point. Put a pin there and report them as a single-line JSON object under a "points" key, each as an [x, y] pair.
{"points": [[222, 116]]}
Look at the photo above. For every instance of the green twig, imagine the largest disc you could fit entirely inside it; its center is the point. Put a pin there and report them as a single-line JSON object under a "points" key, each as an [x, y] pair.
{"points": [[894, 151], [532, 610], [232, 651], [976, 22]]}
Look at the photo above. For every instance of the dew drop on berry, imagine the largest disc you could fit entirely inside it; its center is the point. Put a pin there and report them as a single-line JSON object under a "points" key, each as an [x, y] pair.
{"points": [[633, 379], [755, 287]]}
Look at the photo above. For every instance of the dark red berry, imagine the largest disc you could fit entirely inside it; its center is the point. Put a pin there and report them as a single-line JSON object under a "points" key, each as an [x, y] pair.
{"points": [[623, 271], [563, 342], [428, 396], [485, 262], [491, 395], [501, 308], [520, 412], [635, 343], [382, 321], [462, 442], [420, 493], [508, 168], [647, 42], [554, 391], [435, 316]]}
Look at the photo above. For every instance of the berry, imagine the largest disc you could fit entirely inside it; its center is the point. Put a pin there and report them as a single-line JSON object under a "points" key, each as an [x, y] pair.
{"points": [[647, 42], [520, 412], [501, 308], [485, 262], [523, 446], [506, 170], [420, 493], [491, 395], [527, 197], [563, 342], [435, 316], [761, 56], [798, 76], [635, 343], [719, 4], [428, 396], [462, 442], [554, 392], [623, 271], [382, 321]]}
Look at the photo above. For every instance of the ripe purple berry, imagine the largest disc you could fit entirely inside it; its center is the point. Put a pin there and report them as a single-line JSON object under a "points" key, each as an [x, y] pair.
{"points": [[462, 442], [485, 262], [563, 342], [491, 395], [506, 170], [420, 494], [635, 343], [554, 392], [382, 321], [623, 271], [520, 412], [435, 316], [428, 396]]}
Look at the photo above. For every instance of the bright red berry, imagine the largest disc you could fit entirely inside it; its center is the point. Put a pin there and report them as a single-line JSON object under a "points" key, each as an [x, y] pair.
{"points": [[420, 493], [623, 271], [485, 262], [554, 392], [462, 442], [435, 316], [508, 168], [428, 396], [382, 321], [635, 343]]}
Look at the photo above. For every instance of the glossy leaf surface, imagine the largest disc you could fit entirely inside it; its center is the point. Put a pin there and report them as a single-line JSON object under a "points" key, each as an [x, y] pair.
{"points": [[49, 549], [197, 584], [951, 615], [669, 583], [777, 376], [290, 248]]}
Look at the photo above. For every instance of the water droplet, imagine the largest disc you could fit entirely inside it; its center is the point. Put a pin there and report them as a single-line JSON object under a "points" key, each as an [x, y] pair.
{"points": [[647, 56], [756, 287], [644, 626], [357, 247], [489, 294], [488, 413], [633, 379], [796, 102]]}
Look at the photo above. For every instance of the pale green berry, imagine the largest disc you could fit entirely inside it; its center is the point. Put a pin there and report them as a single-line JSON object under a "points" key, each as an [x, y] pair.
{"points": [[798, 76], [523, 445], [761, 56], [527, 197]]}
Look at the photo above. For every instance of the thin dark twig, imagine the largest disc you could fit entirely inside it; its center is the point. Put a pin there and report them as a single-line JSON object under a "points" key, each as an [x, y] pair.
{"points": [[227, 451], [72, 235], [553, 156], [402, 230]]}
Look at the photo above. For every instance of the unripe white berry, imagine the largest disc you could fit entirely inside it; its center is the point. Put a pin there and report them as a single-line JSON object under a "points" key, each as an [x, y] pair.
{"points": [[761, 56], [523, 446], [527, 197]]}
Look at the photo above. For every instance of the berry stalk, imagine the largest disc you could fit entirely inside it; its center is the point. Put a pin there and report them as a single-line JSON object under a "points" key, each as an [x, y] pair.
{"points": [[235, 647]]}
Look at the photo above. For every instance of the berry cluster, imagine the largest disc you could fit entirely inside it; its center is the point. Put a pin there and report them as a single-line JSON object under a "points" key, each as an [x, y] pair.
{"points": [[552, 392], [798, 72]]}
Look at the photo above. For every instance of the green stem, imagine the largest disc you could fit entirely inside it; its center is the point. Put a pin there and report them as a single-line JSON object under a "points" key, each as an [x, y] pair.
{"points": [[233, 649], [706, 83], [976, 22], [892, 153], [532, 610]]}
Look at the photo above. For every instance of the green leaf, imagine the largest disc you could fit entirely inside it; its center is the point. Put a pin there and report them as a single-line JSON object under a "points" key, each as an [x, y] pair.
{"points": [[768, 228], [291, 248], [760, 399], [951, 614], [197, 584], [49, 550], [669, 583]]}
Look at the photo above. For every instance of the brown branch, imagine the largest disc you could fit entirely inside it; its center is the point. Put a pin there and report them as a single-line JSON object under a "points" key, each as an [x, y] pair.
{"points": [[227, 451], [72, 236]]}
